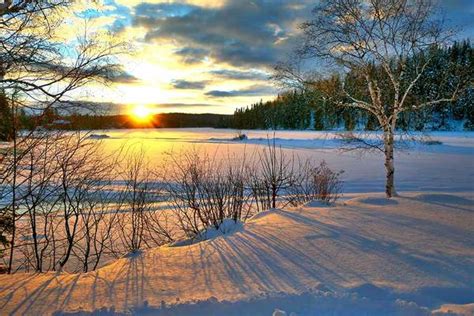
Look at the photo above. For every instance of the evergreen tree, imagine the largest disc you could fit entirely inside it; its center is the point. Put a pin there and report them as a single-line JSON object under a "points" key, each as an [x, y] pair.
{"points": [[6, 121]]}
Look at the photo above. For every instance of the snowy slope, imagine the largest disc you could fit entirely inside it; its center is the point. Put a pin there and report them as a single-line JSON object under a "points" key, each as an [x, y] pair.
{"points": [[367, 255]]}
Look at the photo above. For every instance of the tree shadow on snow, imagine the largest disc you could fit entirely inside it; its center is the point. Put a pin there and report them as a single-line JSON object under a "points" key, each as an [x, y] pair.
{"points": [[446, 200], [268, 260]]}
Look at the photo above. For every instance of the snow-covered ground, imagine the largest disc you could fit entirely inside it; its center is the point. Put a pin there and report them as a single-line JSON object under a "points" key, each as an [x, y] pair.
{"points": [[413, 255], [366, 255]]}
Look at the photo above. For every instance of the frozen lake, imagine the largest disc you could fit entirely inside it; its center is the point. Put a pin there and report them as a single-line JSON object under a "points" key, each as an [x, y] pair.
{"points": [[445, 167]]}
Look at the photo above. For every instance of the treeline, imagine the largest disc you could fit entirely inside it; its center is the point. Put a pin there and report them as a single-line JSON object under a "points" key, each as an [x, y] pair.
{"points": [[51, 119], [319, 106], [92, 122]]}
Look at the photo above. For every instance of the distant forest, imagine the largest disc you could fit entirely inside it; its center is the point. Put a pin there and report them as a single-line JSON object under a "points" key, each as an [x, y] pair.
{"points": [[317, 107], [50, 119]]}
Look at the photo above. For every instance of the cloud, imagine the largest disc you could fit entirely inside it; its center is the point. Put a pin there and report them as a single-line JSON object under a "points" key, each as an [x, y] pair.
{"points": [[255, 33], [239, 74], [163, 10], [188, 85], [183, 105], [241, 32], [122, 77], [192, 55], [94, 107], [256, 90], [203, 3]]}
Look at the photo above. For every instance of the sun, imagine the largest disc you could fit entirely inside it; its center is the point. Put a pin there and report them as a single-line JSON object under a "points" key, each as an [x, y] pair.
{"points": [[141, 113]]}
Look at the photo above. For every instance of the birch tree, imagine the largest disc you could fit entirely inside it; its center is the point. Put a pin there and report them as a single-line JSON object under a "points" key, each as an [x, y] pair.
{"points": [[378, 40]]}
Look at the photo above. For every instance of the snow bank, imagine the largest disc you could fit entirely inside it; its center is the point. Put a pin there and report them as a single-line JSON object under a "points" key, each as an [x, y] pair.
{"points": [[308, 303], [99, 136], [362, 256], [264, 214], [228, 226], [379, 201]]}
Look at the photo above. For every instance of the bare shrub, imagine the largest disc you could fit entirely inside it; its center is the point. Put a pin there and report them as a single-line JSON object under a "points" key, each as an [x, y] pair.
{"points": [[70, 209], [39, 195], [64, 213], [6, 225], [80, 170], [203, 192], [159, 228], [314, 183], [240, 135], [98, 217], [141, 223], [270, 175], [133, 198]]}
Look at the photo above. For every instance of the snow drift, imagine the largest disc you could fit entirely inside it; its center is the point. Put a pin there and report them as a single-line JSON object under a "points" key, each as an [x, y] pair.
{"points": [[409, 256]]}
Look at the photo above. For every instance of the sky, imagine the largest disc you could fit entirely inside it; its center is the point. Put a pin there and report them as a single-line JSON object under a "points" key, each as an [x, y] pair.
{"points": [[205, 56]]}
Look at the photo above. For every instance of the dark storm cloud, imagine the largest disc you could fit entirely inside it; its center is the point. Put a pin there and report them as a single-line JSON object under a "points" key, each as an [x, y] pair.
{"points": [[257, 90], [185, 84], [241, 32]]}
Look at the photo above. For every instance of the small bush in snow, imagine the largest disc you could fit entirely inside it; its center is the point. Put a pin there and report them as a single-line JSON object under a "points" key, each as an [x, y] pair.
{"points": [[240, 136], [204, 192], [270, 176], [314, 183]]}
